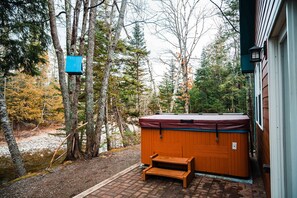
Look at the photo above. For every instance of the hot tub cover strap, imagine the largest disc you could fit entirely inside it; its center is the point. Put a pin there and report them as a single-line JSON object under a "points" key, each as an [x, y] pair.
{"points": [[217, 133]]}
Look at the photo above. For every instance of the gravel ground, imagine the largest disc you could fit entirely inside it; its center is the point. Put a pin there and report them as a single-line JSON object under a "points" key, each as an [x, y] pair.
{"points": [[35, 143], [73, 178], [70, 178]]}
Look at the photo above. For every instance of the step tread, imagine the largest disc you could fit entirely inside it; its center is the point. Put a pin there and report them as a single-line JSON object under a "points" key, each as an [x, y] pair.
{"points": [[172, 160], [178, 174]]}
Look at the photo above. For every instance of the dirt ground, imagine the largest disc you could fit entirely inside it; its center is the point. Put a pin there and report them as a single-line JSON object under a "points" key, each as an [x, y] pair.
{"points": [[73, 178]]}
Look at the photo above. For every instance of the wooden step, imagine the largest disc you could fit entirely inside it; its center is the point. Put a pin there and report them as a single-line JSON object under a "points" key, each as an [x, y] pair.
{"points": [[171, 160], [177, 174], [173, 167]]}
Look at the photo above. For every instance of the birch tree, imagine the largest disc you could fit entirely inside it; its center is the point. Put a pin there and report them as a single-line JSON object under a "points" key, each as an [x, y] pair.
{"points": [[114, 35], [181, 25]]}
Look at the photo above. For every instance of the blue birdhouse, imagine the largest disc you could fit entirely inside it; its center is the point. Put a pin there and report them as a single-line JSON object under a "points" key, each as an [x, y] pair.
{"points": [[74, 65]]}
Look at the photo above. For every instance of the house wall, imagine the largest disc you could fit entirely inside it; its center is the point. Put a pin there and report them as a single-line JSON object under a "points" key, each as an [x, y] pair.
{"points": [[263, 152], [266, 12]]}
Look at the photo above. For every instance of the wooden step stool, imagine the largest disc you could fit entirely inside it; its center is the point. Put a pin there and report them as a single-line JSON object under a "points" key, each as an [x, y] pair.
{"points": [[173, 167]]}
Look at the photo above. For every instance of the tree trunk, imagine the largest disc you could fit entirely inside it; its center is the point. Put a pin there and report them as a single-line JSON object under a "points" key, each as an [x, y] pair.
{"points": [[83, 28], [154, 86], [73, 148], [62, 76], [81, 49], [103, 92], [185, 86], [74, 81], [175, 88], [76, 15], [8, 133], [68, 24], [92, 138], [107, 128], [122, 126], [138, 84]]}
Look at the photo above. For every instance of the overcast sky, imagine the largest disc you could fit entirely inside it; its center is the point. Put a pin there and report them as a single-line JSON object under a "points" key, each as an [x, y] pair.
{"points": [[156, 46]]}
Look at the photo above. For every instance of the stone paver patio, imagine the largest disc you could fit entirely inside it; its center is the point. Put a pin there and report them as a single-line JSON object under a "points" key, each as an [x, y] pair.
{"points": [[129, 184]]}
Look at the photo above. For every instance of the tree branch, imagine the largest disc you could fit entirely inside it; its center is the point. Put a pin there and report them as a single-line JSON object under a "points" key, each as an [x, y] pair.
{"points": [[233, 27], [64, 12], [96, 5], [145, 21], [118, 9]]}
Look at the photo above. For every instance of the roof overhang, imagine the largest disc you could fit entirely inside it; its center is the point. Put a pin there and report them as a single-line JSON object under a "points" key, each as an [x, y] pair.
{"points": [[247, 33]]}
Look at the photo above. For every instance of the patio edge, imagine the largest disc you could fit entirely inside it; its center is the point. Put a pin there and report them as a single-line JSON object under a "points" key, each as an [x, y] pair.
{"points": [[103, 183]]}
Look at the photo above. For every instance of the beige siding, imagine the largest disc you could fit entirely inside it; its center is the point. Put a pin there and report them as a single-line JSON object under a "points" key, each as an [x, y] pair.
{"points": [[267, 12]]}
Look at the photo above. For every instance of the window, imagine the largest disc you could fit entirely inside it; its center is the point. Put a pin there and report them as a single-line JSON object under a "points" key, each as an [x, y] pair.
{"points": [[258, 95]]}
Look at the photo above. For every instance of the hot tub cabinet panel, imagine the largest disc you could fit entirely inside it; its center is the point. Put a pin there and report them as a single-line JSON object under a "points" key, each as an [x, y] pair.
{"points": [[169, 145], [219, 143]]}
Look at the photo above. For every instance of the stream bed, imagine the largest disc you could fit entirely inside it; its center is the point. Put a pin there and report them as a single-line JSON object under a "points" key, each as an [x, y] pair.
{"points": [[34, 162]]}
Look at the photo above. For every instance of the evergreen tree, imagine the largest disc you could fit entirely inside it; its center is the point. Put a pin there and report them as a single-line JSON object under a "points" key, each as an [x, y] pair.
{"points": [[166, 91], [166, 88], [219, 86], [23, 35], [134, 72]]}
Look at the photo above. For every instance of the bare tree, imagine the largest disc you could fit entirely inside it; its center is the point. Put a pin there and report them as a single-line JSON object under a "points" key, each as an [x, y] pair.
{"points": [[71, 88], [181, 25], [114, 35]]}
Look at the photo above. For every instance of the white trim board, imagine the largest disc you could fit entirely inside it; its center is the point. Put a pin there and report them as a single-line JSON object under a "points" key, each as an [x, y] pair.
{"points": [[283, 158]]}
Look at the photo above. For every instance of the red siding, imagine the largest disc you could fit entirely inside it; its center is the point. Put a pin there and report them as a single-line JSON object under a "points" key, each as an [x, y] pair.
{"points": [[263, 135]]}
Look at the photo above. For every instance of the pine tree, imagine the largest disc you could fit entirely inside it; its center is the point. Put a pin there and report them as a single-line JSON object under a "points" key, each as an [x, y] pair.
{"points": [[219, 86], [134, 72]]}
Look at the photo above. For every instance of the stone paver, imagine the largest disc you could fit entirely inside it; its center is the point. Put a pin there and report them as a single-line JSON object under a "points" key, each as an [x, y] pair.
{"points": [[131, 185]]}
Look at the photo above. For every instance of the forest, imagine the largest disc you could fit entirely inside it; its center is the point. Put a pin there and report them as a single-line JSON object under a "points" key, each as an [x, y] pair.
{"points": [[118, 84]]}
